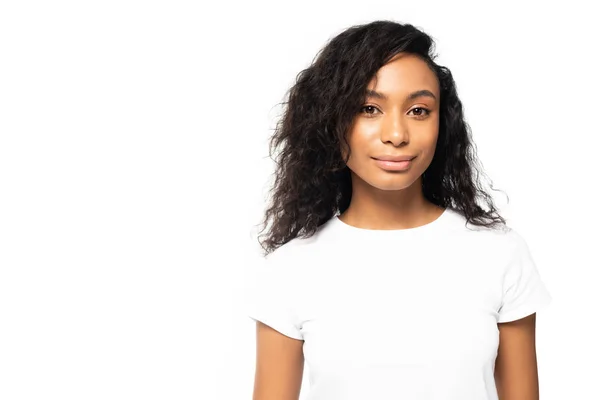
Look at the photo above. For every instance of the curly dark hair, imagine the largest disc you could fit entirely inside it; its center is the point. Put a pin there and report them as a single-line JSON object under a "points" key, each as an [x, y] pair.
{"points": [[312, 182]]}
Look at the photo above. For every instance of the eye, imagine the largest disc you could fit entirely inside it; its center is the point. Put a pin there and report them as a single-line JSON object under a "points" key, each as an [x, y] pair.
{"points": [[369, 108], [423, 112]]}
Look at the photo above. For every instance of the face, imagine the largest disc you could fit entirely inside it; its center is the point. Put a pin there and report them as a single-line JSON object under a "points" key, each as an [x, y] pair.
{"points": [[399, 118]]}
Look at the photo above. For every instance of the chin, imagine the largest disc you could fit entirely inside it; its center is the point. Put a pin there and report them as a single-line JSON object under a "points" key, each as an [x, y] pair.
{"points": [[391, 184]]}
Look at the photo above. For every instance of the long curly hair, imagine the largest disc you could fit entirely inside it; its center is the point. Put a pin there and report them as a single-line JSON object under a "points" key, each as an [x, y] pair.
{"points": [[312, 182]]}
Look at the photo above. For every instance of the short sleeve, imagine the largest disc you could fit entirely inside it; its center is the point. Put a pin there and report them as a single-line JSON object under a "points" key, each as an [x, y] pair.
{"points": [[524, 291], [270, 297]]}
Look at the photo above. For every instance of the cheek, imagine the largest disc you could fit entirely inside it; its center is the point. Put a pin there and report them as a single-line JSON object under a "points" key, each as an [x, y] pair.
{"points": [[359, 153], [358, 145], [426, 144], [424, 141]]}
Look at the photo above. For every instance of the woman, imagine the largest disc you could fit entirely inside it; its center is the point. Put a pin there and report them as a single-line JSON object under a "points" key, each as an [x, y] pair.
{"points": [[382, 271]]}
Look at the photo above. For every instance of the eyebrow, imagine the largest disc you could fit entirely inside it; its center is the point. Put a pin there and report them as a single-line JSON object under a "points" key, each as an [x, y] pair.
{"points": [[411, 96]]}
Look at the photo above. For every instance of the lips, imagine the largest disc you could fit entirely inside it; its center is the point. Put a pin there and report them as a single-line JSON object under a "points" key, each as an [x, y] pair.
{"points": [[388, 165], [396, 158]]}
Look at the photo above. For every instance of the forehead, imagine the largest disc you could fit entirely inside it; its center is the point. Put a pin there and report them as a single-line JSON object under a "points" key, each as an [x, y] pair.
{"points": [[404, 73]]}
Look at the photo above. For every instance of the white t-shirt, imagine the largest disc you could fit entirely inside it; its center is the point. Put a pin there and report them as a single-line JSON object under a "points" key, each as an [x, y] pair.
{"points": [[398, 314]]}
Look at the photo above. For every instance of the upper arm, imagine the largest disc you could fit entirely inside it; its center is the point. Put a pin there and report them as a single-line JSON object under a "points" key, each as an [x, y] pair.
{"points": [[279, 365], [516, 372], [524, 291], [273, 300]]}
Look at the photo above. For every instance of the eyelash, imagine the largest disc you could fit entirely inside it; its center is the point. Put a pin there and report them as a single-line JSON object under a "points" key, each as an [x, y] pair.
{"points": [[427, 112]]}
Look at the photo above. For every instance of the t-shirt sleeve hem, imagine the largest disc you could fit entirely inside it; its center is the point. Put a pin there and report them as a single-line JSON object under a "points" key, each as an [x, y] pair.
{"points": [[526, 310], [279, 326]]}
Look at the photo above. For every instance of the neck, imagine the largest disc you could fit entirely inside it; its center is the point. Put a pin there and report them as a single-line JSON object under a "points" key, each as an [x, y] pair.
{"points": [[373, 208]]}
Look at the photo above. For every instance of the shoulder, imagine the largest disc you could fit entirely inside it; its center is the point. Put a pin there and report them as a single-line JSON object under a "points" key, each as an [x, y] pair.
{"points": [[500, 240], [296, 257], [301, 247]]}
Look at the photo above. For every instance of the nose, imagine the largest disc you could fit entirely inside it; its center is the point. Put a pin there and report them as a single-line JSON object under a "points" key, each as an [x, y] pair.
{"points": [[394, 129]]}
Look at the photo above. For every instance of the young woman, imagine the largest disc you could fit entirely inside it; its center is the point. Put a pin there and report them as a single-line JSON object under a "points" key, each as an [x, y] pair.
{"points": [[382, 271]]}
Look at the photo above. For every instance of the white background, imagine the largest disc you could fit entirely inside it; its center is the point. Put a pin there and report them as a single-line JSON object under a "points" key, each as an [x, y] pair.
{"points": [[133, 168]]}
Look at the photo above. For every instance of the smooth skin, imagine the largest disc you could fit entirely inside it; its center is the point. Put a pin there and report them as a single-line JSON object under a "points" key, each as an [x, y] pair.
{"points": [[401, 117], [516, 371], [279, 365]]}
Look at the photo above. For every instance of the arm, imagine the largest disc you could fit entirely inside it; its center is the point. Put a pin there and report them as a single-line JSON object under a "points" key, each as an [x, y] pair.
{"points": [[279, 365], [516, 371]]}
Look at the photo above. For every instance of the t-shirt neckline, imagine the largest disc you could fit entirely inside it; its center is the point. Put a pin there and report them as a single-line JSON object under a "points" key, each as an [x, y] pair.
{"points": [[434, 225]]}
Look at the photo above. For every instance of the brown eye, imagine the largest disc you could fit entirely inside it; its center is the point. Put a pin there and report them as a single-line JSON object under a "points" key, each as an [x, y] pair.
{"points": [[422, 112], [370, 110]]}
